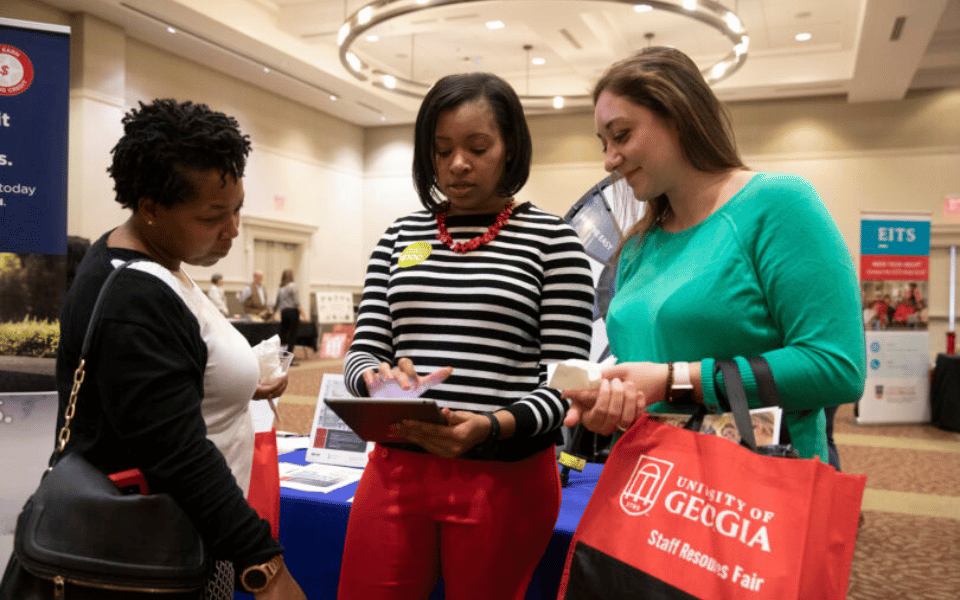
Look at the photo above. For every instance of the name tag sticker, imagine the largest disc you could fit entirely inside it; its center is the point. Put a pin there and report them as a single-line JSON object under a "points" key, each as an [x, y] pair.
{"points": [[414, 254]]}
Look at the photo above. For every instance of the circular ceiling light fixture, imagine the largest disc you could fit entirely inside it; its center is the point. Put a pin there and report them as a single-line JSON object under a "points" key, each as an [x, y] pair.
{"points": [[378, 12]]}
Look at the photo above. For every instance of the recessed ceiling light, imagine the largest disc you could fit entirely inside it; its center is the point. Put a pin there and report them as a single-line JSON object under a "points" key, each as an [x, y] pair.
{"points": [[803, 37], [495, 25], [690, 4], [266, 69], [171, 30], [354, 61], [558, 102], [539, 61], [642, 7], [363, 17]]}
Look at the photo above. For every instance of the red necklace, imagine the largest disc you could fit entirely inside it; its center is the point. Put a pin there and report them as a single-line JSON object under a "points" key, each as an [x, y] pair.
{"points": [[492, 231]]}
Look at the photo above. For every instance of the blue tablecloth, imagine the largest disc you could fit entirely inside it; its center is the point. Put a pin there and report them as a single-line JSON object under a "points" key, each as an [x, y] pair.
{"points": [[313, 527]]}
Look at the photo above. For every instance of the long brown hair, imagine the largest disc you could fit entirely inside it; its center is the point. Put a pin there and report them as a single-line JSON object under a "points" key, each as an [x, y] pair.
{"points": [[668, 83]]}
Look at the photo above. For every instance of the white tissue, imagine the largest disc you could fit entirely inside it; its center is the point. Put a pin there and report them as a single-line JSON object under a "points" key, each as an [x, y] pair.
{"points": [[268, 357], [577, 374]]}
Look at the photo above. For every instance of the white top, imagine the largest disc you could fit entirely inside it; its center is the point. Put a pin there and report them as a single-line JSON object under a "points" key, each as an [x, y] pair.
{"points": [[229, 380]]}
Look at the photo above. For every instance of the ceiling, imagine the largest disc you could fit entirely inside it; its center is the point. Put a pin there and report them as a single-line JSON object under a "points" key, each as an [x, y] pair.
{"points": [[290, 46]]}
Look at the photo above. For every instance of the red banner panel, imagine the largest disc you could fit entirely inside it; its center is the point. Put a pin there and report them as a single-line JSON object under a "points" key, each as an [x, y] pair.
{"points": [[881, 267]]}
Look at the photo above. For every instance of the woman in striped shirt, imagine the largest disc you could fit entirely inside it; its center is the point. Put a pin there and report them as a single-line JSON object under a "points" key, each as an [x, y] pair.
{"points": [[465, 302]]}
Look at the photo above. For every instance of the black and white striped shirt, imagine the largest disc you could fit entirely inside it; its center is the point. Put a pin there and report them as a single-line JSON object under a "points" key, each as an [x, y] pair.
{"points": [[497, 315]]}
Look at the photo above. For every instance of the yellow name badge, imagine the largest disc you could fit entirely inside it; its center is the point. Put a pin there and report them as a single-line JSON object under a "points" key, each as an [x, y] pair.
{"points": [[414, 254], [576, 463]]}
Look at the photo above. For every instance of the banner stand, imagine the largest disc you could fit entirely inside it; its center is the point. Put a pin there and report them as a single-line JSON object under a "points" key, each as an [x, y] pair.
{"points": [[894, 274]]}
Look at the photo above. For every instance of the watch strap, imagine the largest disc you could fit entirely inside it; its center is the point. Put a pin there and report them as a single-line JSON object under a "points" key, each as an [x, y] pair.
{"points": [[679, 386]]}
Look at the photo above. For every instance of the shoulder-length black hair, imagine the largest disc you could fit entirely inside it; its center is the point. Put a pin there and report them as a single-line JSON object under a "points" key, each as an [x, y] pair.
{"points": [[450, 92]]}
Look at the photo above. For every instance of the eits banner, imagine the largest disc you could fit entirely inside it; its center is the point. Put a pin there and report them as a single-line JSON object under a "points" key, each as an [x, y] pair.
{"points": [[894, 277], [895, 247], [34, 115]]}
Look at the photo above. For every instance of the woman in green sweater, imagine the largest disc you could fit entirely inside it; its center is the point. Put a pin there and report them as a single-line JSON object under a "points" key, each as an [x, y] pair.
{"points": [[726, 263]]}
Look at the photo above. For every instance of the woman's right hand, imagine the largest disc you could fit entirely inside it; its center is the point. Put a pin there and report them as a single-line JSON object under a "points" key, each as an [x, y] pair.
{"points": [[283, 587], [401, 381]]}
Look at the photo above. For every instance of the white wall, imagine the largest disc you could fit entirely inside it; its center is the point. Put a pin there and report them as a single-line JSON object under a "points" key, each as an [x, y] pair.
{"points": [[312, 160], [350, 184], [875, 156]]}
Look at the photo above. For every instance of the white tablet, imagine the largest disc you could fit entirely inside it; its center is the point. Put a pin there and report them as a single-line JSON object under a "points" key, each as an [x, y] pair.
{"points": [[371, 418]]}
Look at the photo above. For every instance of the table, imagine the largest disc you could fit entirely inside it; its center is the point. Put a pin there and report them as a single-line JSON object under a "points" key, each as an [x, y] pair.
{"points": [[256, 332], [945, 392], [313, 528]]}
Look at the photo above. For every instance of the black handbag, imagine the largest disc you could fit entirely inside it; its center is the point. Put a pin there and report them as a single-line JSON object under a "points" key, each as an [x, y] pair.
{"points": [[80, 537]]}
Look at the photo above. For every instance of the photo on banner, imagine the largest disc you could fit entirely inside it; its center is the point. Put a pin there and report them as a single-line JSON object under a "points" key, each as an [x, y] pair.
{"points": [[35, 260], [894, 278]]}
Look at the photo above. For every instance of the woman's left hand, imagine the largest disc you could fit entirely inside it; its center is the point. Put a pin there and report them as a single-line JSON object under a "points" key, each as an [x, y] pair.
{"points": [[463, 431], [273, 389]]}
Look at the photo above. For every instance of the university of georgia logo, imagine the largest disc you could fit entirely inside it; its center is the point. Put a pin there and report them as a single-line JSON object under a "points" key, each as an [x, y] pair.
{"points": [[16, 71], [644, 485]]}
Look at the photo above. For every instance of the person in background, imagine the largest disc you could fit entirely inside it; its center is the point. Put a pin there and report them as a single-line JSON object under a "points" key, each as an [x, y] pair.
{"points": [[291, 313], [253, 297], [168, 378], [760, 245], [914, 297], [465, 302], [215, 293], [883, 305]]}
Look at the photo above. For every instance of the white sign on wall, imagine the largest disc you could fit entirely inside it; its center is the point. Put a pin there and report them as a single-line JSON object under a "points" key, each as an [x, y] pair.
{"points": [[334, 307]]}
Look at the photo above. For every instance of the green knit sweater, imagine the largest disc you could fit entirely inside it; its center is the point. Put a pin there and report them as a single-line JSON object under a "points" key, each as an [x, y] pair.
{"points": [[768, 274]]}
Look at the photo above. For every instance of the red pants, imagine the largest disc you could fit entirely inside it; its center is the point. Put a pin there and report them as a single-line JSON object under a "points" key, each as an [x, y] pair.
{"points": [[482, 525]]}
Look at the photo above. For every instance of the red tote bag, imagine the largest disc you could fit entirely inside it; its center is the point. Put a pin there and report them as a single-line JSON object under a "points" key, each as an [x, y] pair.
{"points": [[264, 492], [680, 514]]}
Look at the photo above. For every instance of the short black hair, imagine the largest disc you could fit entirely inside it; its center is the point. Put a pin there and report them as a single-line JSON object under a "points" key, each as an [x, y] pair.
{"points": [[164, 140], [447, 94]]}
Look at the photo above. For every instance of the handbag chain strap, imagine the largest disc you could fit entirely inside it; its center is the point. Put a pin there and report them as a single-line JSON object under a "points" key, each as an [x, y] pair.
{"points": [[64, 434]]}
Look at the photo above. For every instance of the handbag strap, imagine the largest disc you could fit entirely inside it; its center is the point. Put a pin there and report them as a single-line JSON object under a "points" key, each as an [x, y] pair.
{"points": [[64, 434], [766, 388], [738, 402]]}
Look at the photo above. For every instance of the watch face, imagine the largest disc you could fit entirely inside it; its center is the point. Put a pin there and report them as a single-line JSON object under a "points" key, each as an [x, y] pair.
{"points": [[255, 579]]}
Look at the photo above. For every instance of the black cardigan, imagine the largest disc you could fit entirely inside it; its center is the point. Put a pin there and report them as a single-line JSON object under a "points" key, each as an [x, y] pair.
{"points": [[139, 406]]}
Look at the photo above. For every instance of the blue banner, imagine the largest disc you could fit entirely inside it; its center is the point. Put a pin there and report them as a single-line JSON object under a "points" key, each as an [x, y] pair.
{"points": [[895, 236], [34, 117]]}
